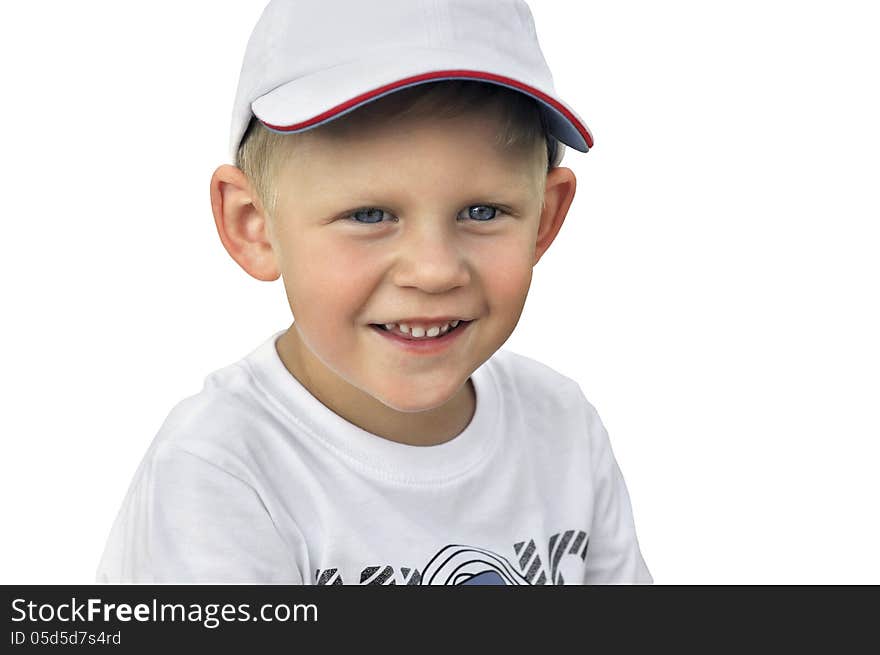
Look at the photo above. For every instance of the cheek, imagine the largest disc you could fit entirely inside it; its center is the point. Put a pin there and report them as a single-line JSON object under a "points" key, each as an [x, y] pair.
{"points": [[506, 273], [329, 283]]}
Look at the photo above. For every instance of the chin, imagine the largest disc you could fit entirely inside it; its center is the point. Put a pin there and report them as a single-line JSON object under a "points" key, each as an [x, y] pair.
{"points": [[410, 401]]}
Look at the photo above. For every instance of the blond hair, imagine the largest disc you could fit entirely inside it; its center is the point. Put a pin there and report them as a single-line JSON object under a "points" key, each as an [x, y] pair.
{"points": [[521, 128]]}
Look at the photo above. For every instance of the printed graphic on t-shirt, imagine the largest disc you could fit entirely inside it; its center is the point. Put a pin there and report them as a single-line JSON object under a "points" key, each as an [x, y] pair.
{"points": [[468, 565]]}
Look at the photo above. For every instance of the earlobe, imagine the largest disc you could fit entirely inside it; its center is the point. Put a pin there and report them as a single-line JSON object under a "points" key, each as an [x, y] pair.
{"points": [[242, 223], [558, 195]]}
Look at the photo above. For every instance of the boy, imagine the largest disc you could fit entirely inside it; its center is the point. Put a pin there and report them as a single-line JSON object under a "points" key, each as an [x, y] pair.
{"points": [[397, 166]]}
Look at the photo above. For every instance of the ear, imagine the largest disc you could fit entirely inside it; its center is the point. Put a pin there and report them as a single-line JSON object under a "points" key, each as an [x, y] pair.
{"points": [[558, 195], [242, 223]]}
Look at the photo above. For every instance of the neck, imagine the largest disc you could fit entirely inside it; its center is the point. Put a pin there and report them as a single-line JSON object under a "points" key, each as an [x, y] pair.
{"points": [[428, 428]]}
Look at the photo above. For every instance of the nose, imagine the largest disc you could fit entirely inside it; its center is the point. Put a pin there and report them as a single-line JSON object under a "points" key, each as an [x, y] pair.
{"points": [[429, 258]]}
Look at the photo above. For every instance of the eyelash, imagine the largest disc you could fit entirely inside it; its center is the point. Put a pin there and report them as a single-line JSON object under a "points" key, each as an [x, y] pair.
{"points": [[497, 212]]}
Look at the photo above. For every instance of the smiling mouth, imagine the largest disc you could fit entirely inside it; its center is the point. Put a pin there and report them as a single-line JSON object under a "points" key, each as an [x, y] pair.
{"points": [[395, 330]]}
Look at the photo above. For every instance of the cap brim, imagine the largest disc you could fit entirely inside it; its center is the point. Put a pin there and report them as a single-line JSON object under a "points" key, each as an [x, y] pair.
{"points": [[312, 100]]}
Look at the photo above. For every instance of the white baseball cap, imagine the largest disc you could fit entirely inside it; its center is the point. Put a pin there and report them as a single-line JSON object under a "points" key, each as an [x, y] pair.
{"points": [[310, 61]]}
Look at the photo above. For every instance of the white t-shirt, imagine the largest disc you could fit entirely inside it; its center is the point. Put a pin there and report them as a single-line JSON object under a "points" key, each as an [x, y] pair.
{"points": [[254, 480]]}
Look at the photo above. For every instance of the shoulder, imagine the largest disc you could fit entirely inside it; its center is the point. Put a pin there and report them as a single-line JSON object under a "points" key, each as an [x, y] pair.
{"points": [[228, 394], [549, 403], [520, 376], [216, 424]]}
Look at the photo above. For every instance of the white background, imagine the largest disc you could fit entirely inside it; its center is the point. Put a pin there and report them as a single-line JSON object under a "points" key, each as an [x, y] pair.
{"points": [[714, 290]]}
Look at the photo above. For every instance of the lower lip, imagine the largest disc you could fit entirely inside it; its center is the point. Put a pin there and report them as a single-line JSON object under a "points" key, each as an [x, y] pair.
{"points": [[424, 346]]}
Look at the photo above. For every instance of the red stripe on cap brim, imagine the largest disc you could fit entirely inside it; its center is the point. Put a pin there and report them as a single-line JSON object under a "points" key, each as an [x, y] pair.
{"points": [[427, 77]]}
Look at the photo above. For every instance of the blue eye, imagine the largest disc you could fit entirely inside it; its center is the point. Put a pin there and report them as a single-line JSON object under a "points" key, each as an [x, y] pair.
{"points": [[374, 215], [371, 215], [482, 212]]}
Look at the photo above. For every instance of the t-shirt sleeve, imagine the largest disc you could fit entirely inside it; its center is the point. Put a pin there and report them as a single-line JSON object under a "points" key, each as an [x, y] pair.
{"points": [[613, 555], [186, 520]]}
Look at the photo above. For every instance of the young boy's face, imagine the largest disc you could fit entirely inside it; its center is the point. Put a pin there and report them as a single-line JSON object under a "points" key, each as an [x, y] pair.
{"points": [[383, 226]]}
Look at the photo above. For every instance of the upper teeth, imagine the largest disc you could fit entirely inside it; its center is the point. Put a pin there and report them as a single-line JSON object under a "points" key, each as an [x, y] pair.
{"points": [[419, 331]]}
